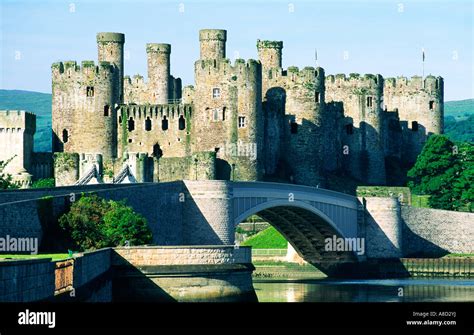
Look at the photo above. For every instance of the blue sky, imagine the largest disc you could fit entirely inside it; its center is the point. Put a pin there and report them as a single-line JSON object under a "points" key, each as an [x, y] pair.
{"points": [[383, 37]]}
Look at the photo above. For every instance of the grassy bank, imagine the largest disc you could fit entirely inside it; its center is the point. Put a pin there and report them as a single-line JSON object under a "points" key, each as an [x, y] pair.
{"points": [[55, 257]]}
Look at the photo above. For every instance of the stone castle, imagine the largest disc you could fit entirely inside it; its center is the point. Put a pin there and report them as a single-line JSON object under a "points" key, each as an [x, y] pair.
{"points": [[250, 120]]}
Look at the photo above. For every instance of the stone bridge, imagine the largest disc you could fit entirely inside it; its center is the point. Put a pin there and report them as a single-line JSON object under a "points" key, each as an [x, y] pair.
{"points": [[207, 213]]}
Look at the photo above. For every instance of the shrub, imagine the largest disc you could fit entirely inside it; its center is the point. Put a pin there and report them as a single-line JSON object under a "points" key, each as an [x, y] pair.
{"points": [[94, 223], [43, 183]]}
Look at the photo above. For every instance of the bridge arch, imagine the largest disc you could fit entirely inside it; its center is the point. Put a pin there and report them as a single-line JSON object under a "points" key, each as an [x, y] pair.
{"points": [[306, 228]]}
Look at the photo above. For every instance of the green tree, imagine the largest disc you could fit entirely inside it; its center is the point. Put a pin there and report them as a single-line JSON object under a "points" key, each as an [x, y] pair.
{"points": [[94, 223], [6, 181], [43, 183], [444, 171]]}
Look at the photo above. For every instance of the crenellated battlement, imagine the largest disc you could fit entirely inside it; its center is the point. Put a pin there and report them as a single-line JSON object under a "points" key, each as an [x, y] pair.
{"points": [[171, 111], [18, 120], [355, 80], [87, 69], [225, 69], [136, 80], [415, 83]]}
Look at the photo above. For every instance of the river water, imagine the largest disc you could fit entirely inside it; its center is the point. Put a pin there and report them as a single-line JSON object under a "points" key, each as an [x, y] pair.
{"points": [[371, 290]]}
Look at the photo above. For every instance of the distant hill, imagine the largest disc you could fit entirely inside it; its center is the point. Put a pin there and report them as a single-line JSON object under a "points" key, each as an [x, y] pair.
{"points": [[459, 120], [459, 109], [38, 103], [459, 115]]}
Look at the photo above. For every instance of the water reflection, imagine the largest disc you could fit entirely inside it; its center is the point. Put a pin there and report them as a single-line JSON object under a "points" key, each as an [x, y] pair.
{"points": [[386, 290]]}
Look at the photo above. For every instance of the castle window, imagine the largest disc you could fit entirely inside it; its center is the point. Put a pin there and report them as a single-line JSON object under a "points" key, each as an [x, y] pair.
{"points": [[147, 124], [65, 136], [215, 114], [223, 114], [216, 93], [293, 128], [181, 123], [241, 121], [414, 126], [369, 101], [349, 129], [106, 110], [90, 91], [316, 97], [120, 119], [431, 104], [131, 124], [164, 123]]}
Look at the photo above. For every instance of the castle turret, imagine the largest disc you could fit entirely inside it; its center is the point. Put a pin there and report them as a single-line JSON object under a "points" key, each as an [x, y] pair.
{"points": [[228, 111], [84, 107], [110, 49], [362, 98], [420, 106], [17, 129], [269, 53], [158, 56], [212, 43], [304, 125]]}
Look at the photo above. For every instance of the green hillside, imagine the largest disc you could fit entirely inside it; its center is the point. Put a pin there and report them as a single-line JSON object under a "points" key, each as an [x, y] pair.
{"points": [[38, 103], [269, 238], [459, 109]]}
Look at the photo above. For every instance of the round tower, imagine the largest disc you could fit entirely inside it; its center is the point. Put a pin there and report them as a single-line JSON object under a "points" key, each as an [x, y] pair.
{"points": [[110, 49], [372, 153], [434, 105], [158, 59], [212, 43], [269, 53]]}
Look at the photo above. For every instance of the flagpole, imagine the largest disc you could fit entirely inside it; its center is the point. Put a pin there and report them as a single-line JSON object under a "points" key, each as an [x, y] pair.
{"points": [[423, 67], [316, 56]]}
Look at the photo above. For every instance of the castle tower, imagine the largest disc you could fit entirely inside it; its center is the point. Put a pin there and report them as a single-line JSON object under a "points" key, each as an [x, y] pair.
{"points": [[362, 131], [212, 43], [17, 129], [84, 107], [227, 115], [110, 49], [420, 106], [158, 58], [269, 53], [304, 132]]}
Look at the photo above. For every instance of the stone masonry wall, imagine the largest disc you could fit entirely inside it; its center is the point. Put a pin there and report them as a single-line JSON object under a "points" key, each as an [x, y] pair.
{"points": [[426, 231], [26, 280], [154, 256]]}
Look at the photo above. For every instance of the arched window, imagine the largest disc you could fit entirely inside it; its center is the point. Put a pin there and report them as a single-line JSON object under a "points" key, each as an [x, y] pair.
{"points": [[120, 119], [106, 110], [414, 126], [431, 105], [369, 101], [147, 124], [164, 123], [131, 124], [181, 123], [215, 114], [90, 91], [65, 136]]}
